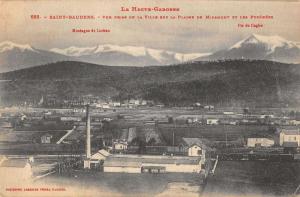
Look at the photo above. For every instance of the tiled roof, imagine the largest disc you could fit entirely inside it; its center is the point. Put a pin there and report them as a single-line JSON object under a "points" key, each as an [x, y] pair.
{"points": [[196, 141]]}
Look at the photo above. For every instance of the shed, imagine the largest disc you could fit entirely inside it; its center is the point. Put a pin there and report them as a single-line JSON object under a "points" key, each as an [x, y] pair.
{"points": [[46, 139]]}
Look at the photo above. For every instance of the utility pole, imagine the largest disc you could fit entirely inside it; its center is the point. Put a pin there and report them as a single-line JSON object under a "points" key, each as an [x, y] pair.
{"points": [[225, 134], [88, 133], [173, 138]]}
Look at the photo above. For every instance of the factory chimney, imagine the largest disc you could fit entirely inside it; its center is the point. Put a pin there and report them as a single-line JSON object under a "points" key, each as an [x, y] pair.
{"points": [[88, 133]]}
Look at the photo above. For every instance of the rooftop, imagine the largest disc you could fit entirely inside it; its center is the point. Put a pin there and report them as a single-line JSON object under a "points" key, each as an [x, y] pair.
{"points": [[100, 154], [291, 132], [196, 141], [14, 163], [135, 160]]}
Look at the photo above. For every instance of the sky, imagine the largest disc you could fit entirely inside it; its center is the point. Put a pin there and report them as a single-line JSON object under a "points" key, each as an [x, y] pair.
{"points": [[175, 35]]}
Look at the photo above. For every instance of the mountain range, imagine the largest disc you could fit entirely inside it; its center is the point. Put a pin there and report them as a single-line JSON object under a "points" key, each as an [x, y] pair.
{"points": [[226, 83], [258, 47], [255, 47], [16, 56]]}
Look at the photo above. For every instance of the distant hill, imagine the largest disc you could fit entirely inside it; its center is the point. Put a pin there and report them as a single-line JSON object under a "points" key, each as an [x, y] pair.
{"points": [[260, 47], [236, 82]]}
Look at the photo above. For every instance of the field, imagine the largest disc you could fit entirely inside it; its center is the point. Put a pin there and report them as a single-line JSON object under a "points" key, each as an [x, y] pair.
{"points": [[256, 178], [126, 184], [215, 133], [244, 178]]}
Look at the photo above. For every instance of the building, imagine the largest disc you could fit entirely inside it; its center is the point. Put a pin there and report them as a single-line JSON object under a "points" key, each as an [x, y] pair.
{"points": [[71, 118], [46, 139], [294, 122], [196, 147], [15, 170], [260, 142], [212, 121], [209, 107], [119, 145], [100, 155], [289, 138], [96, 159], [152, 164], [134, 102], [116, 104]]}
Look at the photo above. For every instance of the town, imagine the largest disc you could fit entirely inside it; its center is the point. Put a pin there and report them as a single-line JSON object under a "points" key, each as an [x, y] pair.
{"points": [[54, 137]]}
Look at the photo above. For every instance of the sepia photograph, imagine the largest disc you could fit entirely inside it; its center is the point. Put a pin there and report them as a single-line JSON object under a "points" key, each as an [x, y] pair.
{"points": [[149, 98]]}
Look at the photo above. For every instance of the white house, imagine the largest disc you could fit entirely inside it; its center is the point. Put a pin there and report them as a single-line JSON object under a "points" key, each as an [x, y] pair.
{"points": [[71, 118], [294, 122], [259, 141], [209, 107], [116, 104], [96, 159], [289, 137], [196, 147], [212, 121], [46, 139], [119, 145]]}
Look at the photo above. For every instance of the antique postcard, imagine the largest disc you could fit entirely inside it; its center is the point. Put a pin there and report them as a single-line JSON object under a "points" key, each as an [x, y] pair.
{"points": [[149, 98]]}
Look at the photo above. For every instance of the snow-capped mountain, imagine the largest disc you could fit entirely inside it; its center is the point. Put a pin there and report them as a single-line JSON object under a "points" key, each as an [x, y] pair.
{"points": [[17, 56], [126, 55], [260, 47], [8, 46]]}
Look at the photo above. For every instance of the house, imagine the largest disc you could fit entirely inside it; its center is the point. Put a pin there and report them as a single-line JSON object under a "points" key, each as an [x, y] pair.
{"points": [[196, 147], [228, 121], [264, 116], [96, 159], [119, 145], [15, 170], [134, 102], [289, 138], [152, 164], [209, 107], [294, 122], [46, 139], [144, 102], [212, 121], [228, 113], [260, 142], [116, 104], [71, 118]]}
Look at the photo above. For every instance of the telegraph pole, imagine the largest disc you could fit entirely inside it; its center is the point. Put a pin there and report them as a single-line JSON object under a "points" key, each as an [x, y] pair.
{"points": [[88, 133]]}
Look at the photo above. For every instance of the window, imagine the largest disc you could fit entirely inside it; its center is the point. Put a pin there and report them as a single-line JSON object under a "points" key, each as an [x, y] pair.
{"points": [[200, 152]]}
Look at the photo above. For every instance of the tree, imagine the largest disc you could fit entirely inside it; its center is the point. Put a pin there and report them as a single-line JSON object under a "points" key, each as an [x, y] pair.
{"points": [[151, 142]]}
